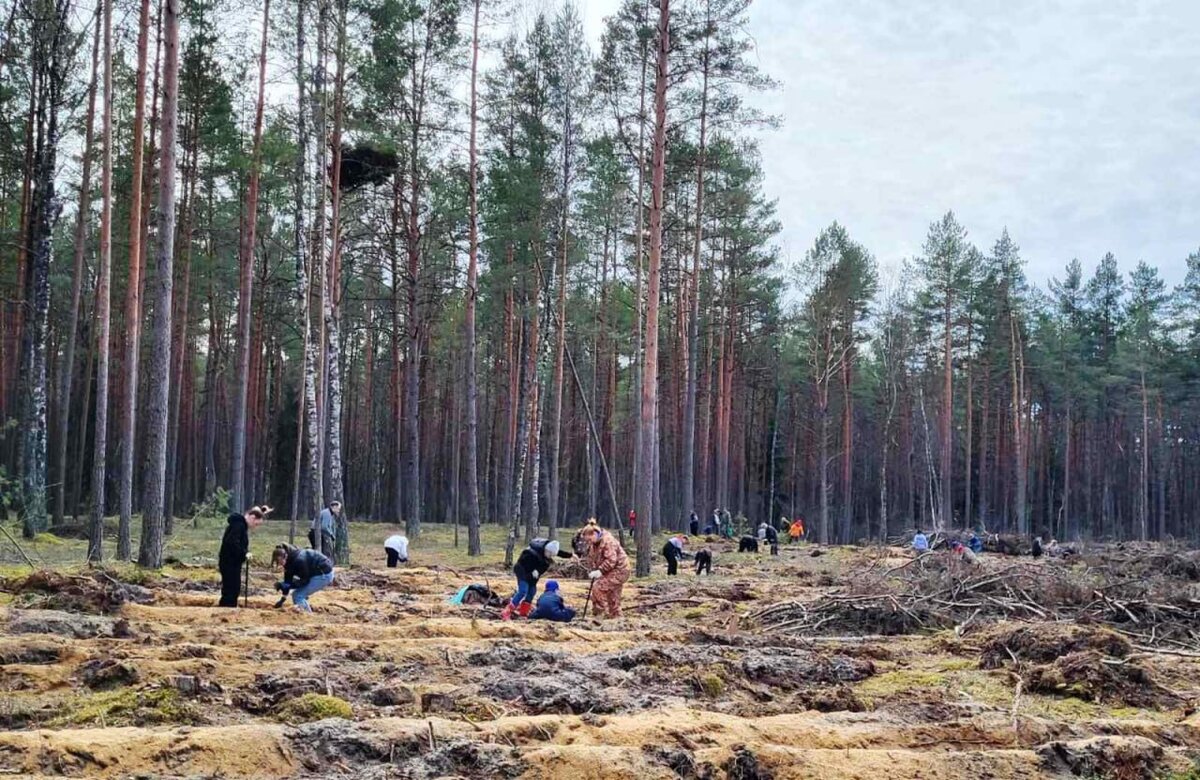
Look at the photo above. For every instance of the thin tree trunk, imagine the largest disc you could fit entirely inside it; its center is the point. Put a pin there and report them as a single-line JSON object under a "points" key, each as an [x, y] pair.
{"points": [[412, 371], [66, 370], [332, 313], [182, 320], [970, 416], [307, 430], [1143, 507], [947, 465], [693, 324], [649, 389], [473, 542], [133, 302], [237, 498], [48, 56], [103, 279], [159, 377]]}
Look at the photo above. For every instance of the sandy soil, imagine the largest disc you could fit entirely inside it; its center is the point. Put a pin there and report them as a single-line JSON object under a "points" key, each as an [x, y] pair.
{"points": [[679, 688]]}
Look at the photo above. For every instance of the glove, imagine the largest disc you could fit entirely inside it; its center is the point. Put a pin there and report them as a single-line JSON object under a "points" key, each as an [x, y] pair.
{"points": [[249, 556], [594, 575], [536, 573], [283, 587]]}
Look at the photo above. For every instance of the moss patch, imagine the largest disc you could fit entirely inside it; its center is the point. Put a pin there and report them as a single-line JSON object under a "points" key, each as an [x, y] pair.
{"points": [[127, 708], [313, 706], [900, 681]]}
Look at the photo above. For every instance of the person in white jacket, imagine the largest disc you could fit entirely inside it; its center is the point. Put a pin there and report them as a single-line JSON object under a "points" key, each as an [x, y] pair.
{"points": [[396, 548]]}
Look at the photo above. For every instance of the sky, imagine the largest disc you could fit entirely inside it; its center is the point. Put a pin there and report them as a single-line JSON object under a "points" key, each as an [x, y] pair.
{"points": [[1075, 123]]}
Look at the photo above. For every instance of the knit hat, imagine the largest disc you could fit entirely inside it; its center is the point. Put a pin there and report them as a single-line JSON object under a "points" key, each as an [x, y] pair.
{"points": [[551, 548], [551, 585]]}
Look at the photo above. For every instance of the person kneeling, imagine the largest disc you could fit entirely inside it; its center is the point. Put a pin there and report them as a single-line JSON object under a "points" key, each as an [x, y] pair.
{"points": [[304, 573], [550, 606]]}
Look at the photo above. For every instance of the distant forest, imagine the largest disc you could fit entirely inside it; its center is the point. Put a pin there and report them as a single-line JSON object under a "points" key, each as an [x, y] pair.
{"points": [[446, 267]]}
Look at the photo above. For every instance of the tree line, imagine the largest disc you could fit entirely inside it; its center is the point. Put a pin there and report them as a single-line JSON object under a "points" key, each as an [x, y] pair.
{"points": [[444, 267]]}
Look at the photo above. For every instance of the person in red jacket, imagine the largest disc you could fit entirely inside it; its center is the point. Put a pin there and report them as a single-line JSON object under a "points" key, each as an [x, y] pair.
{"points": [[632, 521]]}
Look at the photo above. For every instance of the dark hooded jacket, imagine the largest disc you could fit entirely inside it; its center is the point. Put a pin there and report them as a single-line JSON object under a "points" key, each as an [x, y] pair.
{"points": [[533, 558], [234, 544], [303, 565]]}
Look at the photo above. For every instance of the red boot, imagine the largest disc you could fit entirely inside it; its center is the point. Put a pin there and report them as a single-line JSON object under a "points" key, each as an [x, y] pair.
{"points": [[507, 612], [525, 608]]}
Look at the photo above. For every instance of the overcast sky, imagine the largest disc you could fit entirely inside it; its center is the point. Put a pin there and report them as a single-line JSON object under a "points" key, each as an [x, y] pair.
{"points": [[1076, 123]]}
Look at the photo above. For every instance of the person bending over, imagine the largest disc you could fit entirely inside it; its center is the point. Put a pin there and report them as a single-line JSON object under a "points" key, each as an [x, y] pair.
{"points": [[673, 551], [533, 562], [704, 562], [748, 544], [396, 549], [304, 573]]}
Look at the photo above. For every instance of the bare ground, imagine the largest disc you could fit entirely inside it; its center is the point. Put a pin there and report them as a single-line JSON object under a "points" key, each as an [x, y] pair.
{"points": [[388, 680]]}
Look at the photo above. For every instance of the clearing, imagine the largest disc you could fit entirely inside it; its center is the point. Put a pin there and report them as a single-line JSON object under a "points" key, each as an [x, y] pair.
{"points": [[822, 662]]}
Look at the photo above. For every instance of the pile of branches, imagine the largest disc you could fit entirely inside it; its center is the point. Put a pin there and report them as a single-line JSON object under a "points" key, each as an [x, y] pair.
{"points": [[935, 591], [96, 592]]}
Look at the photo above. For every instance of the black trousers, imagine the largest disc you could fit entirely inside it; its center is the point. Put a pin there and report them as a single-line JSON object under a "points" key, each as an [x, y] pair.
{"points": [[392, 556], [672, 566], [231, 587]]}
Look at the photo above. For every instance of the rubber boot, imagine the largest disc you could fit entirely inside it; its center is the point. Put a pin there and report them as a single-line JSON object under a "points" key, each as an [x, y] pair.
{"points": [[525, 608], [507, 612]]}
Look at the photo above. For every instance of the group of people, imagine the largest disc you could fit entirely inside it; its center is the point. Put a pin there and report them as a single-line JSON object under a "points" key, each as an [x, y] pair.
{"points": [[307, 571], [969, 550], [304, 571], [608, 565]]}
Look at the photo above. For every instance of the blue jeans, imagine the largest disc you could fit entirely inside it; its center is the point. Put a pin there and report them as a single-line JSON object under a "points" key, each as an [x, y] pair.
{"points": [[526, 590], [300, 595]]}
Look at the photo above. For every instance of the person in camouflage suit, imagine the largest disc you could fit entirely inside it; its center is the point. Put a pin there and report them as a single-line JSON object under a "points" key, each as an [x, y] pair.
{"points": [[609, 566]]}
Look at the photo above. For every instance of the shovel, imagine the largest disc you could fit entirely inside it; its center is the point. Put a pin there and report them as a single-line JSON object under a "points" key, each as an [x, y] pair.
{"points": [[588, 600], [246, 583]]}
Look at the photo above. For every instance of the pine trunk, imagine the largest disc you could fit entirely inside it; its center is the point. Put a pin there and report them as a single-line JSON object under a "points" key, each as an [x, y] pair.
{"points": [[103, 280], [159, 375], [649, 388], [133, 301], [473, 543], [238, 501]]}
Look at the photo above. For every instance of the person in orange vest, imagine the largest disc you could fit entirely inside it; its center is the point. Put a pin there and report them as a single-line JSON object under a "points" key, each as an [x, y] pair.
{"points": [[796, 530]]}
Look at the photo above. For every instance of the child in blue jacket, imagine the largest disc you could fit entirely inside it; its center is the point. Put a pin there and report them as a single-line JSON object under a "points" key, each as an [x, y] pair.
{"points": [[550, 606]]}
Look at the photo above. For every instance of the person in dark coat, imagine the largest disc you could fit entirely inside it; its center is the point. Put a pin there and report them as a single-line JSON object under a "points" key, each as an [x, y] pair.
{"points": [[1036, 549], [533, 562], [703, 562], [235, 551], [304, 573], [694, 525], [550, 606], [768, 534], [748, 544], [673, 551]]}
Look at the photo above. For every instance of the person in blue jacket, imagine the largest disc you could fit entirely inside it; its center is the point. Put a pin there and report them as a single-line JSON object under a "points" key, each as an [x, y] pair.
{"points": [[550, 606], [975, 543]]}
